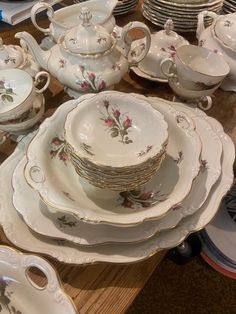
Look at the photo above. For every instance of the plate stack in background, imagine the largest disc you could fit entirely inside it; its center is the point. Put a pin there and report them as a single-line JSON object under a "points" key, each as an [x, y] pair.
{"points": [[125, 6], [183, 13], [229, 6]]}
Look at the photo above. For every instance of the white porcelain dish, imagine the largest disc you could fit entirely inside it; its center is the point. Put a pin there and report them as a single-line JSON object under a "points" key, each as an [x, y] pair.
{"points": [[221, 230], [58, 225], [18, 91], [181, 165], [163, 45], [66, 18], [13, 225], [28, 119], [111, 124], [20, 294]]}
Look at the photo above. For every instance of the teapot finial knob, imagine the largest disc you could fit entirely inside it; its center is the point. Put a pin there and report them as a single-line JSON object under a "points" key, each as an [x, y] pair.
{"points": [[169, 26], [85, 16]]}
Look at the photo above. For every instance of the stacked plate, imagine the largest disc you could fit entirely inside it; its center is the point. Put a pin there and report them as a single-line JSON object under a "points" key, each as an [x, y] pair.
{"points": [[125, 6], [122, 152], [59, 213], [183, 13], [229, 6], [219, 237]]}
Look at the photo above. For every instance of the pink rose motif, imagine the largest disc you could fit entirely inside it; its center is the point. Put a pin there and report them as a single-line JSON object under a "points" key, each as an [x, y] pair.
{"points": [[102, 85], [116, 113], [56, 141], [84, 85], [127, 203], [91, 76], [127, 123], [53, 153], [63, 156], [109, 122]]}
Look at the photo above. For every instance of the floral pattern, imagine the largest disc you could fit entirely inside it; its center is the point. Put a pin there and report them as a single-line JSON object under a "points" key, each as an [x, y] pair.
{"points": [[10, 60], [5, 297], [62, 63], [87, 148], [203, 165], [64, 222], [101, 39], [58, 149], [228, 23], [144, 152], [141, 199], [202, 42], [68, 196], [116, 123], [179, 158], [90, 82], [6, 93], [137, 50], [171, 50]]}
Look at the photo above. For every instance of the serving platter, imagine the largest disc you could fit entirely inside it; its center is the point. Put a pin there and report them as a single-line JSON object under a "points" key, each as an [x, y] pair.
{"points": [[59, 225], [88, 203], [13, 225], [21, 295]]}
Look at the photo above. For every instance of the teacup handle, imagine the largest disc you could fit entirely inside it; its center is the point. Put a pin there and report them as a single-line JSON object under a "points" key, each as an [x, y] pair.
{"points": [[41, 6], [205, 103], [3, 137], [168, 62], [37, 80], [133, 60]]}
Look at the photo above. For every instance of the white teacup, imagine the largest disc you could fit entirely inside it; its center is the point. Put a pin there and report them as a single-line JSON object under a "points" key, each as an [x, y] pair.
{"points": [[18, 91], [196, 68]]}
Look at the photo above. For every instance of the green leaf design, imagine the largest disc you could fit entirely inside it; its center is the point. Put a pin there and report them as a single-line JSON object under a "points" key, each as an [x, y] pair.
{"points": [[115, 133]]}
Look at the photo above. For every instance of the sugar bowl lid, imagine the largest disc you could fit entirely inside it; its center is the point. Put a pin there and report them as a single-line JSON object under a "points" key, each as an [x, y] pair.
{"points": [[225, 30], [87, 38], [10, 56]]}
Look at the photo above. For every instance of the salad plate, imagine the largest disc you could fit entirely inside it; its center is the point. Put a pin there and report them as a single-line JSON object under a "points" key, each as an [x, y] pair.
{"points": [[21, 295], [48, 163], [59, 225], [13, 225]]}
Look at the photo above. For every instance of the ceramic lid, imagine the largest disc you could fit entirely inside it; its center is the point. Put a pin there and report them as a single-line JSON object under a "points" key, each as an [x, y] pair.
{"points": [[10, 56], [167, 36], [87, 38], [225, 30]]}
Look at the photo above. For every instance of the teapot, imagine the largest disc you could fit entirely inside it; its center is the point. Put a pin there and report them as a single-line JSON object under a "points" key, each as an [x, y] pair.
{"points": [[12, 56], [221, 38], [66, 18], [87, 58]]}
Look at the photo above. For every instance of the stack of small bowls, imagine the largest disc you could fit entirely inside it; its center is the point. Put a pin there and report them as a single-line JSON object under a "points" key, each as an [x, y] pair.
{"points": [[22, 103], [111, 144]]}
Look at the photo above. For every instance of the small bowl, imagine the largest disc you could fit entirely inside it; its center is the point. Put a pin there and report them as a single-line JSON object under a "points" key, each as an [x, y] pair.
{"points": [[115, 131], [28, 119], [17, 92]]}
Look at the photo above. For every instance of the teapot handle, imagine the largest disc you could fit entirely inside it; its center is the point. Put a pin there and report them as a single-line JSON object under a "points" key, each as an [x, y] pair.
{"points": [[39, 7], [132, 58], [200, 21]]}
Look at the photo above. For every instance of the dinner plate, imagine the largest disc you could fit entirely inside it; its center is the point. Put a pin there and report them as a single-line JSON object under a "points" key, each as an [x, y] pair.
{"points": [[21, 295], [48, 165], [58, 225], [14, 226], [222, 230]]}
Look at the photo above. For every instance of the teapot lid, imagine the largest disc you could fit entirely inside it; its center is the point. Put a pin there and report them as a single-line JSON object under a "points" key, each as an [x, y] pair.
{"points": [[225, 30], [87, 38], [167, 36], [10, 56]]}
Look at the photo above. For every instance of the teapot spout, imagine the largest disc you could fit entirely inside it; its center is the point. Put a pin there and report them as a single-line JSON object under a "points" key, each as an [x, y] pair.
{"points": [[28, 42]]}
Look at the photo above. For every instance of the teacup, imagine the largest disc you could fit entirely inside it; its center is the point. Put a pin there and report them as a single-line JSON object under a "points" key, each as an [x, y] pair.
{"points": [[196, 68], [18, 91]]}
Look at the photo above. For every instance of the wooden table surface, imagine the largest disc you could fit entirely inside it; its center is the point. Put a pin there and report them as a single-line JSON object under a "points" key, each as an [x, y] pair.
{"points": [[105, 288]]}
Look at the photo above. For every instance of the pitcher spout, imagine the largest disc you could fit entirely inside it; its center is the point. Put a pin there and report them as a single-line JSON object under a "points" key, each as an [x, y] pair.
{"points": [[28, 42]]}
